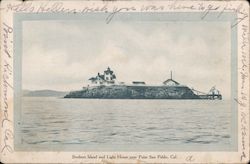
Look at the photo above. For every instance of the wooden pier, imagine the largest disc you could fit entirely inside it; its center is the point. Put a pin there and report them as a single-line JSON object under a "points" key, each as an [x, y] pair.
{"points": [[213, 94]]}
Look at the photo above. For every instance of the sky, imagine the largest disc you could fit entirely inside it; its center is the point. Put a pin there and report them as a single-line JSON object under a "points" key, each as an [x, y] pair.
{"points": [[64, 54]]}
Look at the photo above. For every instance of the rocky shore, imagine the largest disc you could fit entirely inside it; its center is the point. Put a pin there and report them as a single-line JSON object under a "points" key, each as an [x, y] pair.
{"points": [[134, 92]]}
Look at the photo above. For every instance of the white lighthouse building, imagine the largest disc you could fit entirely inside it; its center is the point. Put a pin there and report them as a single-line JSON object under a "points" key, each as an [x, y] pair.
{"points": [[107, 78]]}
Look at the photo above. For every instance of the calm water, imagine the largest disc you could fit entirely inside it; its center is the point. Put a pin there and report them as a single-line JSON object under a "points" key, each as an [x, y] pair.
{"points": [[87, 121]]}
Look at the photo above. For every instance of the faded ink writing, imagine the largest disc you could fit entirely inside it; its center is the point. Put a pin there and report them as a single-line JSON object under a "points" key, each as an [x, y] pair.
{"points": [[243, 98], [7, 72], [8, 136], [7, 30], [111, 9]]}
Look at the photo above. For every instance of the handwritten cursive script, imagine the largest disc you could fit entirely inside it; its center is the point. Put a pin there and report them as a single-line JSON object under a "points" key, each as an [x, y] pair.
{"points": [[7, 30], [117, 10], [111, 9], [7, 72], [8, 136], [243, 98]]}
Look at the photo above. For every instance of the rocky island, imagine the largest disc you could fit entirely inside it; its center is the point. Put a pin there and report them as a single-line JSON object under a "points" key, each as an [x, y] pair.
{"points": [[105, 86]]}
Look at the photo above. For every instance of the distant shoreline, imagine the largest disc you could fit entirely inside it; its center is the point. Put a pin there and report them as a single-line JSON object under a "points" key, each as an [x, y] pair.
{"points": [[43, 93]]}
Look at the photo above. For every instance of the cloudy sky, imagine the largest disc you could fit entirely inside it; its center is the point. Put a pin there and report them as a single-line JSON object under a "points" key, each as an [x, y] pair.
{"points": [[63, 55]]}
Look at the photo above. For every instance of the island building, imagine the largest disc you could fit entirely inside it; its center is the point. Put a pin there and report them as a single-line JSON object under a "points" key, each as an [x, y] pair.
{"points": [[138, 83], [107, 78], [171, 82]]}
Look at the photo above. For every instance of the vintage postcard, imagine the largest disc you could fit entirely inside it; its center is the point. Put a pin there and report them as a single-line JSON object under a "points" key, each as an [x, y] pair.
{"points": [[124, 81]]}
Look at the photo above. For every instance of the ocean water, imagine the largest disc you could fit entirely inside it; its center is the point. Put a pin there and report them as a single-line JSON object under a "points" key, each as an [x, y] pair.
{"points": [[58, 121]]}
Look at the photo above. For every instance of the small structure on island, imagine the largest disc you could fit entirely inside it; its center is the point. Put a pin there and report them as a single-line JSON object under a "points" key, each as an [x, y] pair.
{"points": [[214, 93], [138, 83], [108, 77], [171, 82]]}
